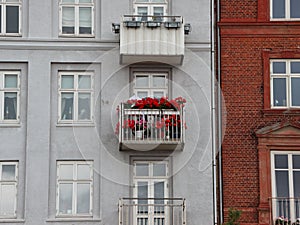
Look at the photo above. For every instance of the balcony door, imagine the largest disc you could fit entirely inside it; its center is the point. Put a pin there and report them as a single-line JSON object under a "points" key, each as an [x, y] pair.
{"points": [[150, 193]]}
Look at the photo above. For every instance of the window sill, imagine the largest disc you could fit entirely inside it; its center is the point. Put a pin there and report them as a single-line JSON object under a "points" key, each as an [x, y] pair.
{"points": [[287, 111], [75, 124], [4, 124], [76, 36], [6, 220], [73, 219]]}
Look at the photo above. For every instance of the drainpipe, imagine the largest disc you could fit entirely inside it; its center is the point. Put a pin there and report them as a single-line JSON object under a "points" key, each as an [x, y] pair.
{"points": [[219, 115], [213, 112]]}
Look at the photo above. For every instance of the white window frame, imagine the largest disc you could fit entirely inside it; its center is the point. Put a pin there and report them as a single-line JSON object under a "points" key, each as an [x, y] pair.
{"points": [[150, 179], [290, 179], [3, 4], [288, 75], [74, 182], [9, 182], [287, 12], [4, 90], [76, 6], [150, 7], [150, 89], [75, 90]]}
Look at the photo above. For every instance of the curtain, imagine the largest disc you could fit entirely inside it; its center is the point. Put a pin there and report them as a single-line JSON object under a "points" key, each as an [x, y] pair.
{"points": [[67, 106], [85, 20], [10, 106], [68, 20], [84, 106]]}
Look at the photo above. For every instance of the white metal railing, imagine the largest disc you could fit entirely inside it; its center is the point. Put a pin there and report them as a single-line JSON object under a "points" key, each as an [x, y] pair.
{"points": [[285, 210], [151, 126], [152, 211]]}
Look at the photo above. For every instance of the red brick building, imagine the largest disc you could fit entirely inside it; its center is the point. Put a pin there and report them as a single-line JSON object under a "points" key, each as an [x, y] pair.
{"points": [[259, 75]]}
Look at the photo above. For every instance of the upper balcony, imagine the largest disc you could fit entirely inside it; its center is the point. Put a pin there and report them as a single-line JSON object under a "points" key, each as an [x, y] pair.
{"points": [[151, 129], [152, 38]]}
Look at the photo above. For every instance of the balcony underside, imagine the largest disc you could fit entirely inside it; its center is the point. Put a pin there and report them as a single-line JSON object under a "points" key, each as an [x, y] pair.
{"points": [[151, 146], [168, 59]]}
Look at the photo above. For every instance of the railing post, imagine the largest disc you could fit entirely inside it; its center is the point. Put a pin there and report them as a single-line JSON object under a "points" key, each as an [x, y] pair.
{"points": [[183, 213], [120, 212]]}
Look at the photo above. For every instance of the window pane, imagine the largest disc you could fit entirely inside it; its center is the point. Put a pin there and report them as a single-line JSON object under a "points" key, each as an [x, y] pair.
{"points": [[282, 184], [67, 81], [84, 106], [142, 191], [84, 82], [159, 169], [7, 203], [83, 198], [11, 81], [295, 66], [296, 177], [68, 20], [68, 1], [85, 1], [295, 91], [158, 11], [142, 81], [83, 172], [158, 1], [159, 81], [66, 172], [85, 20], [279, 67], [143, 11], [142, 169], [14, 1], [158, 94], [142, 94], [138, 1], [65, 198], [278, 8], [10, 105], [67, 106], [281, 162], [296, 162], [8, 172], [1, 19], [295, 6], [279, 92], [159, 190], [12, 19]]}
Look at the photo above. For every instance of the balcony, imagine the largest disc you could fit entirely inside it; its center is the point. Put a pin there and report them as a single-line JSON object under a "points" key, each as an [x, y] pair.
{"points": [[149, 38], [152, 211], [151, 129], [285, 210]]}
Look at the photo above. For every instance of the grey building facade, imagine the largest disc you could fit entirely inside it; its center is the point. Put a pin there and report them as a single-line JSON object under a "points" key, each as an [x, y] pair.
{"points": [[63, 74]]}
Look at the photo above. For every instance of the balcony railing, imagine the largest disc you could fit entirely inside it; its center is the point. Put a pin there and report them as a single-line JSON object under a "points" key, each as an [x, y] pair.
{"points": [[149, 129], [152, 38], [152, 211], [285, 210]]}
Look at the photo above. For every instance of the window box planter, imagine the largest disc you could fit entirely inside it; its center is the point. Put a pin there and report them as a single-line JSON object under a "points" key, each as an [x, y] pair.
{"points": [[132, 24], [172, 24], [152, 24]]}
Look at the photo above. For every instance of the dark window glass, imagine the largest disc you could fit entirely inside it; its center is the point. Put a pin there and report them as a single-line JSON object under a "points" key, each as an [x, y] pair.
{"points": [[278, 8], [295, 66], [279, 67], [12, 19], [279, 92], [0, 18], [281, 162], [296, 162], [295, 9], [282, 183], [295, 91]]}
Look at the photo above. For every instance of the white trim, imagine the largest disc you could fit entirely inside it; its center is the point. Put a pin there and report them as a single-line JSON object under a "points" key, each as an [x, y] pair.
{"points": [[4, 90], [75, 91], [74, 181], [3, 18], [288, 76], [10, 182], [76, 7]]}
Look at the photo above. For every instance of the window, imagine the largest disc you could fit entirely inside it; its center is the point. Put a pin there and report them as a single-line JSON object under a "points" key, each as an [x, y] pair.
{"points": [[285, 83], [10, 14], [286, 185], [153, 8], [9, 95], [8, 189], [75, 97], [285, 9], [74, 188], [77, 17], [150, 85], [150, 188]]}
